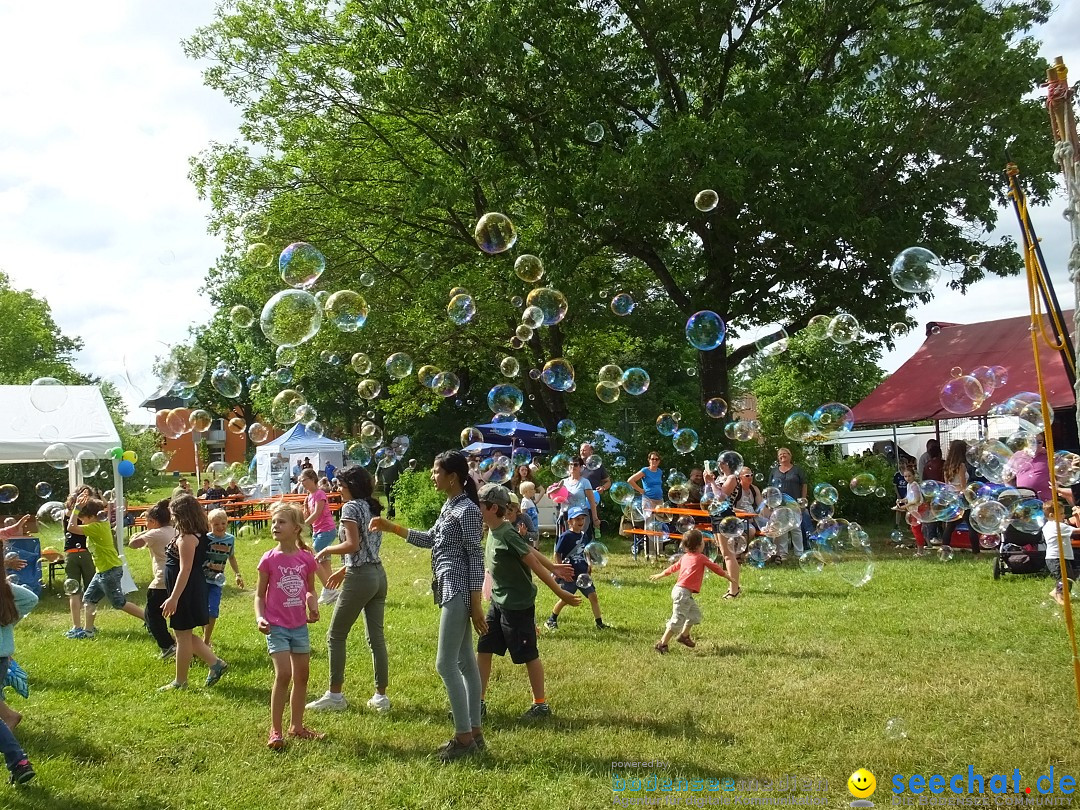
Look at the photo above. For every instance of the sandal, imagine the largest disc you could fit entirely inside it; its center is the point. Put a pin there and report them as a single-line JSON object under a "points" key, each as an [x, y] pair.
{"points": [[660, 648], [307, 734], [730, 595], [275, 742], [689, 642]]}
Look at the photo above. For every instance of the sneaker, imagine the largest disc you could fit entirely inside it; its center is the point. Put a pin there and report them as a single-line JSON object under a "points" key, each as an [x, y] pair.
{"points": [[455, 750], [479, 742], [329, 702], [88, 634], [22, 773], [216, 671], [328, 596], [169, 653], [172, 685], [551, 624], [380, 703], [601, 626], [75, 632], [537, 711]]}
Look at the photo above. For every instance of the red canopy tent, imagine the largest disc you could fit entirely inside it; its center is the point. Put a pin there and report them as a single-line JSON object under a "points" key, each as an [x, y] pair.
{"points": [[912, 393]]}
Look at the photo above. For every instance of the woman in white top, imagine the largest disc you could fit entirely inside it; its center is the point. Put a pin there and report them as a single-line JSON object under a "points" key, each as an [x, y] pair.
{"points": [[722, 486]]}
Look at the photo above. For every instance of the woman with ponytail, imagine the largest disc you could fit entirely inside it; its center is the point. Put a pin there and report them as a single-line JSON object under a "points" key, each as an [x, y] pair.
{"points": [[457, 568]]}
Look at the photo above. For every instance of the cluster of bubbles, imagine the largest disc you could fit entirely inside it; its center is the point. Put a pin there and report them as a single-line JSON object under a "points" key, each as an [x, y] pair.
{"points": [[964, 393], [827, 421], [684, 440]]}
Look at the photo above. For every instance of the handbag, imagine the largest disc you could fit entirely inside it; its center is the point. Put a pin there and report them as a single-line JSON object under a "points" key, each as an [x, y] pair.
{"points": [[558, 493]]}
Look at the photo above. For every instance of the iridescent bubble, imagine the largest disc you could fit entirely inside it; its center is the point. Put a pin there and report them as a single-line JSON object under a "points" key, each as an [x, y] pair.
{"points": [[685, 440], [426, 375], [799, 427], [286, 406], [610, 373], [495, 233], [521, 457], [48, 394], [517, 302], [705, 330], [716, 407], [770, 339], [558, 374], [43, 489], [956, 371], [532, 318], [760, 550], [622, 304], [258, 432], [290, 318], [621, 493], [863, 483], [566, 428], [200, 420], [461, 309], [843, 329], [817, 326], [916, 270], [371, 435], [300, 265], [505, 398], [962, 394], [1028, 516], [635, 381], [226, 383], [241, 317], [826, 493], [360, 363], [471, 435], [534, 374], [399, 365], [989, 517], [560, 465], [369, 388], [254, 225], [367, 280], [706, 200], [188, 365], [811, 562], [505, 424], [9, 493], [898, 330], [594, 132], [666, 424], [159, 461], [58, 456], [51, 512], [347, 310], [551, 302], [522, 335], [259, 255], [509, 367], [678, 494], [833, 417], [529, 269], [945, 553], [608, 392], [306, 414], [739, 430], [446, 384]]}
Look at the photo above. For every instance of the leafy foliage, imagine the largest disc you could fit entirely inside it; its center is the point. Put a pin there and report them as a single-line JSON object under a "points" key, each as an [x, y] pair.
{"points": [[416, 499]]}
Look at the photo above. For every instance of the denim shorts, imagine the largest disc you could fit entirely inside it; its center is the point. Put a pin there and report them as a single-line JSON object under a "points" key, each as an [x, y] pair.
{"points": [[107, 583], [321, 540], [213, 599], [288, 639]]}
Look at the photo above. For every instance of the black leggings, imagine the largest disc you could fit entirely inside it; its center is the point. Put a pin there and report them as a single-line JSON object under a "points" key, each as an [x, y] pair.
{"points": [[947, 530], [153, 619]]}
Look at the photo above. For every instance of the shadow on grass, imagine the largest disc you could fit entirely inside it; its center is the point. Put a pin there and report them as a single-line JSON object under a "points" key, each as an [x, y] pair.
{"points": [[39, 794], [740, 650], [42, 742]]}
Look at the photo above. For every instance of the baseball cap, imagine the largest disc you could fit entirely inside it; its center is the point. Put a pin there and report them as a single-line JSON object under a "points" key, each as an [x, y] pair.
{"points": [[494, 493], [514, 499], [577, 511]]}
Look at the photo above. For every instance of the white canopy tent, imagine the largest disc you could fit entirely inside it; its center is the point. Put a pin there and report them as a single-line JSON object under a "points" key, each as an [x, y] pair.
{"points": [[274, 460], [77, 420]]}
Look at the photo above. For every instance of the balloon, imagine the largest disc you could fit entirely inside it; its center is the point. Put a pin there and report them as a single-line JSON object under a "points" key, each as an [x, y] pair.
{"points": [[125, 468], [130, 455]]}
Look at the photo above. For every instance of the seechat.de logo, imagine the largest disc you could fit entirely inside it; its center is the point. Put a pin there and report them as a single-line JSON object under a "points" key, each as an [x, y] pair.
{"points": [[862, 785]]}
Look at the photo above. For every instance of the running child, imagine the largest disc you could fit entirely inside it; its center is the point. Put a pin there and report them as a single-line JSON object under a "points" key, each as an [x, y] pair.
{"points": [[685, 612], [317, 514], [570, 548], [222, 549], [285, 604], [157, 537]]}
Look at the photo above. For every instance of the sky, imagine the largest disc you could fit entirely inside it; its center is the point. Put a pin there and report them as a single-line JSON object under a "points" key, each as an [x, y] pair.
{"points": [[97, 214]]}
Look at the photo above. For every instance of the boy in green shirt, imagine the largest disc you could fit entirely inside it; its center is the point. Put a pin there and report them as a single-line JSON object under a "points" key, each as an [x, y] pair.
{"points": [[85, 520], [511, 618]]}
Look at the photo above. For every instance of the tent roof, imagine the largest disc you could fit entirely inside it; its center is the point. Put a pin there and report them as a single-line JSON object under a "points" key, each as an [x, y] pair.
{"points": [[912, 393], [81, 421], [484, 447], [298, 439], [514, 427]]}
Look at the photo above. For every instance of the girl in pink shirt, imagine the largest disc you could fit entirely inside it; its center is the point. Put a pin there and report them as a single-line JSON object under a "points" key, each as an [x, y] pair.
{"points": [[685, 612], [284, 606]]}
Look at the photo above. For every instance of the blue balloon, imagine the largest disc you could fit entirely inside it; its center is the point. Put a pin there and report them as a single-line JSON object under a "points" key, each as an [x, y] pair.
{"points": [[125, 468]]}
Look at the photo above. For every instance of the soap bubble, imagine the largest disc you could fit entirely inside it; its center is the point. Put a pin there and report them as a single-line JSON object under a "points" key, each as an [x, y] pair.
{"points": [[347, 310], [58, 455], [706, 200], [916, 270], [610, 373], [863, 483], [584, 581], [259, 255], [716, 408], [43, 489], [226, 383], [529, 269], [509, 367], [666, 424], [254, 225], [496, 469], [461, 309], [51, 512], [773, 497], [597, 554], [471, 435], [241, 317], [826, 493], [200, 420], [306, 414], [286, 406], [705, 330], [945, 553], [558, 374], [495, 233], [360, 363], [685, 440], [678, 494], [72, 586], [812, 562], [505, 424], [608, 392], [898, 330], [399, 365], [1066, 468], [551, 302], [895, 729], [188, 366], [760, 550], [635, 381], [258, 432], [740, 430], [367, 280], [521, 457], [290, 317], [286, 356], [505, 398], [47, 394], [833, 417], [300, 265], [369, 388], [426, 375], [989, 517], [371, 435], [817, 326], [621, 493], [532, 317], [1028, 516], [445, 384], [594, 132], [962, 394], [9, 493], [843, 329], [622, 304], [566, 428], [159, 461], [594, 462], [799, 427], [770, 339], [560, 465]]}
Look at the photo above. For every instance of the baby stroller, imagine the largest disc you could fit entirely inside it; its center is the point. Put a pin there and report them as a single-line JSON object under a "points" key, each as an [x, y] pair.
{"points": [[1020, 553]]}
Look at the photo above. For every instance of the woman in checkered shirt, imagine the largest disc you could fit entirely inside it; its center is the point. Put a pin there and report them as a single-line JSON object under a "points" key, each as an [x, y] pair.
{"points": [[457, 567]]}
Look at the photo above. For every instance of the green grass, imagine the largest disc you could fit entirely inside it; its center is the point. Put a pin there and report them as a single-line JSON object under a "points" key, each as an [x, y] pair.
{"points": [[800, 675]]}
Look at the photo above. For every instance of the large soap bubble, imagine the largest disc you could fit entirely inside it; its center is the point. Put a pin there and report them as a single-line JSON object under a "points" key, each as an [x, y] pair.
{"points": [[529, 268], [48, 394], [716, 408], [916, 270], [291, 317], [58, 455], [685, 440], [706, 200], [551, 303], [285, 408], [558, 374], [445, 384], [471, 435], [962, 394], [369, 388], [188, 365], [770, 339], [301, 265], [241, 316], [495, 233], [399, 365], [226, 383], [461, 309], [705, 330], [347, 310], [360, 363], [505, 398], [799, 427], [843, 329], [635, 381], [833, 417], [622, 304], [594, 132], [608, 392]]}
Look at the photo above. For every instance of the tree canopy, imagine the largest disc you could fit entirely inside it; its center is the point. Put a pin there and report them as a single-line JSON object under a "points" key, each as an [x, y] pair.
{"points": [[834, 135]]}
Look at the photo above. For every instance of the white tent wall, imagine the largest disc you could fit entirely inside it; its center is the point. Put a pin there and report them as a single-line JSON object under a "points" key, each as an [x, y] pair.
{"points": [[78, 419], [274, 460]]}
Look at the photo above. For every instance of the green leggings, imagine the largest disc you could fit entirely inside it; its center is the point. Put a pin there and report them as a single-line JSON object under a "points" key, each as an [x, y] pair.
{"points": [[364, 589]]}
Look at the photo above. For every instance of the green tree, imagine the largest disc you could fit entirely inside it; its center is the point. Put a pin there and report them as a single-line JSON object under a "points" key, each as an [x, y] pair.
{"points": [[31, 344], [834, 135]]}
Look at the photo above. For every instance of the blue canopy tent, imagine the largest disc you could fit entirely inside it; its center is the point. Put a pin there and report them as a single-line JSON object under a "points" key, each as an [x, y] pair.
{"points": [[518, 434], [486, 449]]}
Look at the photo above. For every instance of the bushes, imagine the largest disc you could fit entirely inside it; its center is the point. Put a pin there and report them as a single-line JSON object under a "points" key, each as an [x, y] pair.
{"points": [[840, 471], [416, 500]]}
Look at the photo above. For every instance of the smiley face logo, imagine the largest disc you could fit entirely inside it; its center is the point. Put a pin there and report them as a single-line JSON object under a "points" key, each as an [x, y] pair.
{"points": [[862, 784]]}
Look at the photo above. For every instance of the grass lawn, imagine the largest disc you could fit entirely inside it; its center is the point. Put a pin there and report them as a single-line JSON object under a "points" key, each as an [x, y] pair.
{"points": [[800, 675]]}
